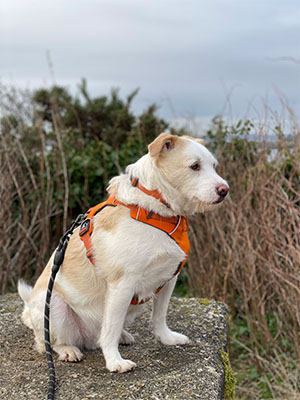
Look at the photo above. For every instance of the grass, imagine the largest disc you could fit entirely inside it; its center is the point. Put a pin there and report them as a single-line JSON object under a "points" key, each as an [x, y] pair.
{"points": [[263, 373]]}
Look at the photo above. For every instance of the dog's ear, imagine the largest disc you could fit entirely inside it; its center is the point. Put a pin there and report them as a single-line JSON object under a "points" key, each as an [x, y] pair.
{"points": [[163, 142], [201, 141]]}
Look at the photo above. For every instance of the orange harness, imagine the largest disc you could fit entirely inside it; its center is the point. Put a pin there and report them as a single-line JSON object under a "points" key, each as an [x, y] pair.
{"points": [[175, 227]]}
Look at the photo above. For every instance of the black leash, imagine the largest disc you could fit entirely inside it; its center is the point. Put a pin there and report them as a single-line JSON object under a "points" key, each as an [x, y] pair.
{"points": [[58, 260]]}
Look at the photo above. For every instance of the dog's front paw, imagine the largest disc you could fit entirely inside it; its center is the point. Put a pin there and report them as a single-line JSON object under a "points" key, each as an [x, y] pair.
{"points": [[68, 353], [120, 365], [126, 338], [171, 338]]}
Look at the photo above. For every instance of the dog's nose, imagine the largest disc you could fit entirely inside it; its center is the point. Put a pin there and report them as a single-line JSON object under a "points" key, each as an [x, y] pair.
{"points": [[222, 190]]}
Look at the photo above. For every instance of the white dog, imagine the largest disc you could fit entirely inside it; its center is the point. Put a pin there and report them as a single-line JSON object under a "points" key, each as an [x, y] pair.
{"points": [[131, 260]]}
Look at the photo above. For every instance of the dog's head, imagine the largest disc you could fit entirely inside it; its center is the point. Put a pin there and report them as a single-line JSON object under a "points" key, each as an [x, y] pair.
{"points": [[190, 170]]}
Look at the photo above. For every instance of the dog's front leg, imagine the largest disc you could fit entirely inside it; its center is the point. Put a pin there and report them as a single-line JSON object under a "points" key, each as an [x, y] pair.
{"points": [[117, 302], [159, 313]]}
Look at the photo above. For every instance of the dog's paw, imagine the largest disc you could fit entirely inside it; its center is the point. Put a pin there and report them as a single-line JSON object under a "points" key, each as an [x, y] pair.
{"points": [[68, 353], [171, 338], [126, 338], [120, 365]]}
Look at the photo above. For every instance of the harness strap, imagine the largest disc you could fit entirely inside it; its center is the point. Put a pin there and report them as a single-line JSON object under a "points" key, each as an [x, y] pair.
{"points": [[86, 228], [175, 227], [154, 193]]}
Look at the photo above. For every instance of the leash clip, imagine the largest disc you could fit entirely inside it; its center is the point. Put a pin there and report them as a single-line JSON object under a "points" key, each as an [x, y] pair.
{"points": [[84, 227], [134, 181]]}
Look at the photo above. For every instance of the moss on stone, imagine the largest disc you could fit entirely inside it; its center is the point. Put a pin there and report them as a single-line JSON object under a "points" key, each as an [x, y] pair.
{"points": [[230, 380], [205, 302]]}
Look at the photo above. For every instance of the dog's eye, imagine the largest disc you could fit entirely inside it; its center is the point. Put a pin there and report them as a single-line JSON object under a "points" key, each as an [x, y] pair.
{"points": [[196, 166]]}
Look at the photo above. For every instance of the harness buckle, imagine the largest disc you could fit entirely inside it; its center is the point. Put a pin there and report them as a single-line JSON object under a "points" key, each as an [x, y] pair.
{"points": [[134, 181], [84, 227], [150, 214]]}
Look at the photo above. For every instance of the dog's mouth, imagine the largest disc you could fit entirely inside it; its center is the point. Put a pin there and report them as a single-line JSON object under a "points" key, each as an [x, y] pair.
{"points": [[220, 199], [203, 206]]}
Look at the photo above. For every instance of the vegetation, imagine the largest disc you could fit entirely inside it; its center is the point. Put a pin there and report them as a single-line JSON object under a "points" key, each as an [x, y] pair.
{"points": [[230, 379], [57, 153], [248, 253]]}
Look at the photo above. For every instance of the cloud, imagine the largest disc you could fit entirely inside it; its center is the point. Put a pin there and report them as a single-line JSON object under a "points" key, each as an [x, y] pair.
{"points": [[187, 53]]}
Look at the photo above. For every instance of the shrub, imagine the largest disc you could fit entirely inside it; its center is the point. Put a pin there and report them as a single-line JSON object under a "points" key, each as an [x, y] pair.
{"points": [[247, 253], [57, 155]]}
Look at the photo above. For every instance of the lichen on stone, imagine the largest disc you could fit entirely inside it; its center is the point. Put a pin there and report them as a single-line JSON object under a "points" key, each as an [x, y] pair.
{"points": [[230, 380], [205, 302]]}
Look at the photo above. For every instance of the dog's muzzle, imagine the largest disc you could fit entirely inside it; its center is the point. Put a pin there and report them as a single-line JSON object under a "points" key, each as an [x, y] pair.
{"points": [[222, 191]]}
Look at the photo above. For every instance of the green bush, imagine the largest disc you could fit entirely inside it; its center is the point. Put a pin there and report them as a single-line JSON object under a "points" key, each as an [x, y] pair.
{"points": [[63, 149]]}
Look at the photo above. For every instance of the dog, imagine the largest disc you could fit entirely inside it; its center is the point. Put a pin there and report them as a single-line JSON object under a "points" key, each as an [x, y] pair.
{"points": [[92, 303]]}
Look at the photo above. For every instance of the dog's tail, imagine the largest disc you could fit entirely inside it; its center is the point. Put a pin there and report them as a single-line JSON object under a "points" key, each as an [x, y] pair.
{"points": [[25, 292]]}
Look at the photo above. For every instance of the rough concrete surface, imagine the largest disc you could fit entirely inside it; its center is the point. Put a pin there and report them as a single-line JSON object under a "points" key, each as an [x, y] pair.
{"points": [[193, 371]]}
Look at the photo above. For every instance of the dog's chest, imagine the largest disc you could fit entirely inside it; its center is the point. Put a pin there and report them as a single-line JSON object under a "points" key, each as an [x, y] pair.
{"points": [[145, 253]]}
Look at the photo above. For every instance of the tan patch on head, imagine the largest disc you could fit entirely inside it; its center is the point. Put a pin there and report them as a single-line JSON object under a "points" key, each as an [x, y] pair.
{"points": [[198, 140], [164, 142], [173, 164], [173, 156]]}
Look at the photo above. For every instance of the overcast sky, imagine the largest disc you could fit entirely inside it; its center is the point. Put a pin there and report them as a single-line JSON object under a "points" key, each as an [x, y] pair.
{"points": [[185, 55]]}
